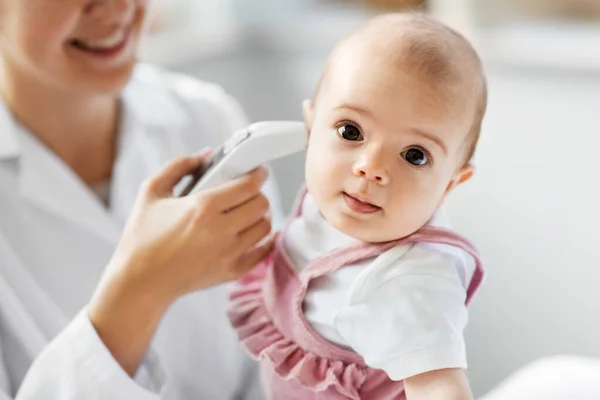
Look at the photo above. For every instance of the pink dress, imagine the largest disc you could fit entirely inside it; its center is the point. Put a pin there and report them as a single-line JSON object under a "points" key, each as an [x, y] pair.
{"points": [[296, 362]]}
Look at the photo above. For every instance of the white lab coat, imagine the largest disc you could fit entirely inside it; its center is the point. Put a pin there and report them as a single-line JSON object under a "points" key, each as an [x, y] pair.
{"points": [[56, 237]]}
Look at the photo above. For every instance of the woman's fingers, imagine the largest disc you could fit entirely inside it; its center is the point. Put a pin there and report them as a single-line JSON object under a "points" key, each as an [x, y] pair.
{"points": [[197, 241], [244, 242], [247, 214], [164, 181], [251, 257], [234, 193], [254, 234]]}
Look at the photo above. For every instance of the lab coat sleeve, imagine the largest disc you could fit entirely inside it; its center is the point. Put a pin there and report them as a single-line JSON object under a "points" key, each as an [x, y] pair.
{"points": [[77, 365]]}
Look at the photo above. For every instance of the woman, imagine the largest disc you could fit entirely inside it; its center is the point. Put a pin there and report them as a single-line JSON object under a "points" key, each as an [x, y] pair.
{"points": [[81, 128]]}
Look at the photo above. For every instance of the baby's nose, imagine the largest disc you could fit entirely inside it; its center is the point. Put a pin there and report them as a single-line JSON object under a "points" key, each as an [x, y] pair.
{"points": [[372, 168]]}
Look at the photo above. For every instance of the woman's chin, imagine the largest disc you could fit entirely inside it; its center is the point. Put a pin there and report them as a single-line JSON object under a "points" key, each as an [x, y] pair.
{"points": [[101, 71], [102, 82]]}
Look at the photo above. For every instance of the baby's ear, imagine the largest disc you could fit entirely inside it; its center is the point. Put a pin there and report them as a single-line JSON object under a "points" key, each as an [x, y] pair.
{"points": [[461, 176], [308, 111]]}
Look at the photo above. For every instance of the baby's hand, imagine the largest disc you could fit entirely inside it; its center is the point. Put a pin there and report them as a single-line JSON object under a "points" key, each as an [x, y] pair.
{"points": [[445, 384]]}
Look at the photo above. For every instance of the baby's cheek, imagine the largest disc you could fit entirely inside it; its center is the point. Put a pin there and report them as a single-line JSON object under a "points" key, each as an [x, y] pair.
{"points": [[319, 162], [314, 174], [413, 207]]}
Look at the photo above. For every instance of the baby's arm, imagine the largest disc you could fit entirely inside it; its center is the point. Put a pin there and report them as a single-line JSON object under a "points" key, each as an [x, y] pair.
{"points": [[444, 384]]}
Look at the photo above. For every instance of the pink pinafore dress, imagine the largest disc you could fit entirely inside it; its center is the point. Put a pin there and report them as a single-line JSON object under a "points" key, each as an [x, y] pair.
{"points": [[296, 362]]}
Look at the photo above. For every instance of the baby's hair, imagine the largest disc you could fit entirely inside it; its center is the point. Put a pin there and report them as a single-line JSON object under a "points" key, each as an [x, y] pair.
{"points": [[440, 55]]}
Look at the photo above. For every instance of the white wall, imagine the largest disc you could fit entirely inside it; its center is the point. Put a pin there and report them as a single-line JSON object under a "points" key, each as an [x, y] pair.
{"points": [[532, 208]]}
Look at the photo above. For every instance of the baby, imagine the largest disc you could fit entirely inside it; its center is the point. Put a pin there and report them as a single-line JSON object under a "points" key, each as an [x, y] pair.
{"points": [[365, 294]]}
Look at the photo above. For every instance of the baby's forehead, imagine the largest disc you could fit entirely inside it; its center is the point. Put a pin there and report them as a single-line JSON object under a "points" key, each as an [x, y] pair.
{"points": [[416, 44], [364, 75], [386, 102], [412, 43], [440, 61]]}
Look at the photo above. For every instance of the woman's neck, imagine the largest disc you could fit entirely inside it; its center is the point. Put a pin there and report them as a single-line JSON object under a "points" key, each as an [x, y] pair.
{"points": [[79, 128]]}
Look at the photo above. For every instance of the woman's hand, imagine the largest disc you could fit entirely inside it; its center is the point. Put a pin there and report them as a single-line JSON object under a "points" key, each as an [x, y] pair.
{"points": [[172, 246], [178, 245]]}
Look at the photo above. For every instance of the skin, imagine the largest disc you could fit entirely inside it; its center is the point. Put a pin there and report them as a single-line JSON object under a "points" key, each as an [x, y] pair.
{"points": [[372, 122], [393, 116], [69, 98]]}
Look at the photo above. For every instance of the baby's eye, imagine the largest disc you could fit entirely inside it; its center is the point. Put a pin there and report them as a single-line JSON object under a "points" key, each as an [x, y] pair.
{"points": [[349, 132], [416, 156]]}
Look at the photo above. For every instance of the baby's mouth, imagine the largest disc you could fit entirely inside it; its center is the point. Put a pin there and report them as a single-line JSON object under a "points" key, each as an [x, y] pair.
{"points": [[360, 205]]}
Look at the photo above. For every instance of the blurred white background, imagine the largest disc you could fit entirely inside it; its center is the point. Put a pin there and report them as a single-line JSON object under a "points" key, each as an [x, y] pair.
{"points": [[532, 208]]}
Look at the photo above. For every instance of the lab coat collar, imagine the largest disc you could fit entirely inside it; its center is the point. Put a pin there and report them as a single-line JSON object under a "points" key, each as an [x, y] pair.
{"points": [[44, 180], [50, 184], [8, 142], [47, 182]]}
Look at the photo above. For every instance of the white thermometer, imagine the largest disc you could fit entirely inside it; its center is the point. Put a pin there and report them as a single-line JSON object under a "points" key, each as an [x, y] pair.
{"points": [[246, 150]]}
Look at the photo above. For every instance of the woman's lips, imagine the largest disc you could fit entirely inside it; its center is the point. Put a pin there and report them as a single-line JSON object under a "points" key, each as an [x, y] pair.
{"points": [[105, 47], [359, 205]]}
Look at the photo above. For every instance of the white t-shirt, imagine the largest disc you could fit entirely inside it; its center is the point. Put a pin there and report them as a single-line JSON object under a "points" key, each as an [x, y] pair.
{"points": [[403, 311]]}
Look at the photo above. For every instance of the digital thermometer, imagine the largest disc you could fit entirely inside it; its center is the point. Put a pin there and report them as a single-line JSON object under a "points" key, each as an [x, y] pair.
{"points": [[246, 150]]}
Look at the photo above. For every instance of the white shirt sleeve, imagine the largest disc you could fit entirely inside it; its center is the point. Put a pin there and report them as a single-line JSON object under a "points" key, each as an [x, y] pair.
{"points": [[77, 365], [407, 317]]}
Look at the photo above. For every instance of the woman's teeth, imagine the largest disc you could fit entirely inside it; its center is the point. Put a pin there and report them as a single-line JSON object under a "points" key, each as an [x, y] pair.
{"points": [[103, 44]]}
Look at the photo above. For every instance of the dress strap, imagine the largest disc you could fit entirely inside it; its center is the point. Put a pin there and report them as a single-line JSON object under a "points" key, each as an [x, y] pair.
{"points": [[430, 234], [350, 254], [338, 258]]}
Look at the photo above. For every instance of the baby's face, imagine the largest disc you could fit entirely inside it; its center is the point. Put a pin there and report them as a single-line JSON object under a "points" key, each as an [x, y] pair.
{"points": [[384, 149]]}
